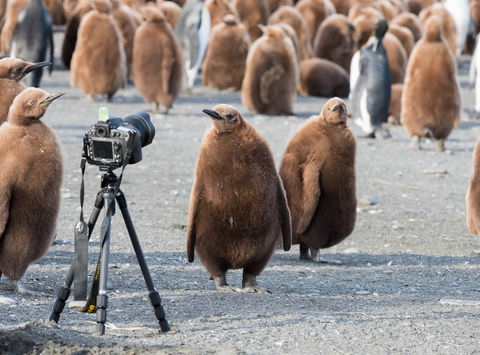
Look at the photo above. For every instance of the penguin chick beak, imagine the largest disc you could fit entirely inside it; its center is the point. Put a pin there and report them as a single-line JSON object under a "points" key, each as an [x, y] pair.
{"points": [[212, 114], [35, 67], [339, 106], [51, 98]]}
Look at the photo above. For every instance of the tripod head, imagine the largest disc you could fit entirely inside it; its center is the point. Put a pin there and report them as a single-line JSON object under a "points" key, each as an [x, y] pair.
{"points": [[109, 180]]}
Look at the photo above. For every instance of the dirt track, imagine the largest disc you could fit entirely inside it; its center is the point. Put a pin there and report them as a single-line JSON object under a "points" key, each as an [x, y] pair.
{"points": [[409, 279]]}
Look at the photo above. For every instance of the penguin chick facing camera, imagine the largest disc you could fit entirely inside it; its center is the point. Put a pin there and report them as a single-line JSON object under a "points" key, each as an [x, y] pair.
{"points": [[30, 181], [318, 172], [238, 209]]}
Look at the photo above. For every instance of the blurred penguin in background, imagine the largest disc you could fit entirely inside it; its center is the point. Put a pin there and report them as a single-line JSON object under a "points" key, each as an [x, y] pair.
{"points": [[411, 22], [98, 63], [218, 9], [14, 7], [157, 60], [431, 96], [192, 33], [32, 36], [460, 11], [371, 91], [226, 57], [71, 31], [271, 74], [449, 32], [315, 12], [252, 13]]}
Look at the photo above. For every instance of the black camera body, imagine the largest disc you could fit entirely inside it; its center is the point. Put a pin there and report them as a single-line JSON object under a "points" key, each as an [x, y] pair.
{"points": [[106, 143]]}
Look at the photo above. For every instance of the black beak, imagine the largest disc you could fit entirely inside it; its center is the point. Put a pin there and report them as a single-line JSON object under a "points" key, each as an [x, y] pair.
{"points": [[36, 66], [339, 106], [212, 114], [50, 99]]}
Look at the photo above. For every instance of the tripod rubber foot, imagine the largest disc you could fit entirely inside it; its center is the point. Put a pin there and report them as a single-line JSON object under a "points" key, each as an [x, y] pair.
{"points": [[63, 294], [159, 311], [102, 302]]}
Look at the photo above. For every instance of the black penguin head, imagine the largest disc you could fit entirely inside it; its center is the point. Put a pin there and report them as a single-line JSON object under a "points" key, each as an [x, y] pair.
{"points": [[334, 112], [225, 118], [16, 69], [381, 28], [30, 105]]}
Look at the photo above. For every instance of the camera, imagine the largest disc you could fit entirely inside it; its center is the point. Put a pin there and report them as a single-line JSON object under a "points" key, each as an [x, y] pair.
{"points": [[107, 142]]}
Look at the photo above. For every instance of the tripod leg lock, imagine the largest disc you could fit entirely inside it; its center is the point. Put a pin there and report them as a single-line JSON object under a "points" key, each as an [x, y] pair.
{"points": [[159, 311], [63, 294]]}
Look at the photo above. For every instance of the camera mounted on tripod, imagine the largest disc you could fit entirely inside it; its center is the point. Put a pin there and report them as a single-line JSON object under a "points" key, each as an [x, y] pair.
{"points": [[112, 140], [111, 143]]}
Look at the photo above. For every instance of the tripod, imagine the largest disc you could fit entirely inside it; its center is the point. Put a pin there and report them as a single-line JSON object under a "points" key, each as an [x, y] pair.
{"points": [[105, 197]]}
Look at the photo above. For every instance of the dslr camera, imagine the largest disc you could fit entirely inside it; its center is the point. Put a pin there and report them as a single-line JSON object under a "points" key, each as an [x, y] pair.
{"points": [[107, 142]]}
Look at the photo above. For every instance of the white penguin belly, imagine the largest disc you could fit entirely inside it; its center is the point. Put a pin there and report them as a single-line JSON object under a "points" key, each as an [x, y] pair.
{"points": [[365, 121]]}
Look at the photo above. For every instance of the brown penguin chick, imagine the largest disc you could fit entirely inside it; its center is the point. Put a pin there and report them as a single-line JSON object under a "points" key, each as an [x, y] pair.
{"points": [[252, 13], [55, 9], [335, 41], [399, 6], [321, 77], [410, 21], [238, 207], [397, 57], [177, 2], [98, 64], [475, 13], [71, 31], [395, 108], [157, 60], [290, 15], [271, 74], [14, 7], [13, 70], [218, 9], [273, 5], [28, 212], [318, 172], [448, 24], [404, 35], [364, 23], [171, 11], [416, 6], [226, 56], [473, 195], [292, 35], [127, 26], [342, 6], [314, 12], [431, 99]]}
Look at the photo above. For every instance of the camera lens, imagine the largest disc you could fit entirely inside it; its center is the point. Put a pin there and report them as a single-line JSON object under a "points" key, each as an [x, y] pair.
{"points": [[141, 121]]}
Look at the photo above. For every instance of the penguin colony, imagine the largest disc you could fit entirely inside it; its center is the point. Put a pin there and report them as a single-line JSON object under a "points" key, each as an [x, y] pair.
{"points": [[393, 58]]}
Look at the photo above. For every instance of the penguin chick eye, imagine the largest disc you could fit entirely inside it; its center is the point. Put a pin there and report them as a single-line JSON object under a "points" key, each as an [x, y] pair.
{"points": [[229, 116], [32, 102]]}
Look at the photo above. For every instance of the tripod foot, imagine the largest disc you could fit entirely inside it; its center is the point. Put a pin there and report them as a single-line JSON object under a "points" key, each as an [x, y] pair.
{"points": [[102, 302], [63, 294], [159, 311]]}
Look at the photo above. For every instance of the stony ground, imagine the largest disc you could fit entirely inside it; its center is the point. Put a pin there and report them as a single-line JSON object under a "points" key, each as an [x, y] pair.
{"points": [[409, 278]]}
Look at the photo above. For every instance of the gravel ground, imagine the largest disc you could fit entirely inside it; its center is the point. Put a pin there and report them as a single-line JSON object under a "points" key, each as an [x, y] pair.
{"points": [[409, 278]]}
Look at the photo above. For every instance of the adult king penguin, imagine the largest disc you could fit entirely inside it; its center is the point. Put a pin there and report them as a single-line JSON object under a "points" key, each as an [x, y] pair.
{"points": [[372, 90], [32, 36]]}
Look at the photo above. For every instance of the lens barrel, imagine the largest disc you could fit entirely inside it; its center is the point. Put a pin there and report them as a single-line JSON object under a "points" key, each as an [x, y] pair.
{"points": [[141, 121]]}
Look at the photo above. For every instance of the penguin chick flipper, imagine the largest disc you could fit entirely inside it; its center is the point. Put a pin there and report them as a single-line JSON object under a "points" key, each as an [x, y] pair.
{"points": [[285, 218], [52, 55], [310, 195], [5, 194], [191, 224], [269, 85], [291, 178], [166, 70]]}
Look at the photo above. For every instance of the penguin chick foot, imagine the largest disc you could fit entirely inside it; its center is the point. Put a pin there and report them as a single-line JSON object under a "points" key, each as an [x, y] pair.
{"points": [[315, 257], [368, 136], [90, 98], [440, 145], [221, 284], [415, 143], [19, 288], [250, 285], [385, 132], [154, 108]]}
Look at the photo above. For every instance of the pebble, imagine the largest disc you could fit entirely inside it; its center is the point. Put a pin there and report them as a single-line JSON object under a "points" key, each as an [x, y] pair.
{"points": [[362, 293], [368, 201], [351, 251], [7, 301]]}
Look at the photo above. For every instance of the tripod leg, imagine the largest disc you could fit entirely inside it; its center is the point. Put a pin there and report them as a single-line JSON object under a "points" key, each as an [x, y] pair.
{"points": [[64, 291], [102, 298], [153, 294]]}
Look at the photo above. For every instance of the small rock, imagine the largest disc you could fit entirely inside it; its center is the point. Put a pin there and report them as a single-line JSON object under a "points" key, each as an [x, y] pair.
{"points": [[7, 301], [351, 251], [453, 302], [368, 201], [362, 293]]}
